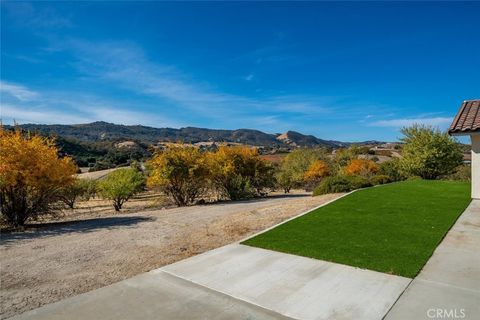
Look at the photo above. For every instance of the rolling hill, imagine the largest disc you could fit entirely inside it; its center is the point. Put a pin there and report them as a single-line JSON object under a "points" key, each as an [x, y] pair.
{"points": [[104, 131]]}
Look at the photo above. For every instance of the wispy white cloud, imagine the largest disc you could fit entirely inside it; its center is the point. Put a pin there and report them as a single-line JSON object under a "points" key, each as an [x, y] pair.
{"points": [[18, 91], [38, 17], [126, 65], [10, 113], [249, 77], [14, 113], [25, 106], [405, 122]]}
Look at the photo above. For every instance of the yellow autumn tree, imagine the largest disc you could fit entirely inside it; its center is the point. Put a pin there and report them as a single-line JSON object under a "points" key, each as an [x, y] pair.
{"points": [[316, 172], [181, 172], [239, 172], [361, 167], [31, 175]]}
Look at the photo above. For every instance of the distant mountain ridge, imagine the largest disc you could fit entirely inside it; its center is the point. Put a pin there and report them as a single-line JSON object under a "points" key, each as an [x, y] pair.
{"points": [[98, 131]]}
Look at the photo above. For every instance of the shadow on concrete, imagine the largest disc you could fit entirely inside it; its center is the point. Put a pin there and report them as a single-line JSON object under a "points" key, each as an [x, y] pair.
{"points": [[34, 231]]}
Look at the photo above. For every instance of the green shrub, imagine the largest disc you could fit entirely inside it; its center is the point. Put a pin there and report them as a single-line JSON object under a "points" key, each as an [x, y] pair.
{"points": [[462, 173], [360, 182], [91, 190], [429, 153], [391, 169], [239, 173], [79, 189], [292, 171], [380, 179], [340, 183], [120, 185]]}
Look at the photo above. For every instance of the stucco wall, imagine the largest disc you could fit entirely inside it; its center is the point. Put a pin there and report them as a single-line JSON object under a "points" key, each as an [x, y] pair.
{"points": [[475, 166]]}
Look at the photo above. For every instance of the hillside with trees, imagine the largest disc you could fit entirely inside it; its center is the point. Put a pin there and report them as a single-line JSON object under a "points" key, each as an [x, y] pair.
{"points": [[102, 131]]}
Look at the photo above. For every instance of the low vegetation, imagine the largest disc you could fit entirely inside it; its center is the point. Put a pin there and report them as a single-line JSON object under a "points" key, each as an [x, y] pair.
{"points": [[120, 185], [239, 173], [392, 229], [341, 183], [79, 189], [295, 165], [461, 173]]}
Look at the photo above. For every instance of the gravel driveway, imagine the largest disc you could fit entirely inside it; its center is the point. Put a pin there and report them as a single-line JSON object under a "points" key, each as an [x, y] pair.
{"points": [[68, 258]]}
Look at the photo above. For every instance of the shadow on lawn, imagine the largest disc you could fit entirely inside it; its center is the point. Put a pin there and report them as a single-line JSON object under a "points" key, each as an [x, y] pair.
{"points": [[33, 231]]}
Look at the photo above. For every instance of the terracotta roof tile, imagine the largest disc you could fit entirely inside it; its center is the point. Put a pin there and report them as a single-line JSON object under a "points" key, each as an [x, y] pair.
{"points": [[467, 119]]}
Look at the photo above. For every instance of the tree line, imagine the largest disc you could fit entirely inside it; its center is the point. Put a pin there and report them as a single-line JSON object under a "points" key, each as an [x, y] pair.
{"points": [[35, 180]]}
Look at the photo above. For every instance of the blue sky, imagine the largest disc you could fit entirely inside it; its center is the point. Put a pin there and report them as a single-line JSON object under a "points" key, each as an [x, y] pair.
{"points": [[347, 71]]}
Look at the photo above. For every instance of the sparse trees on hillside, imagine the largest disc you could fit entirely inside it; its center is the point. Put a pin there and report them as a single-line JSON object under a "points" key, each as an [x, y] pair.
{"points": [[428, 152], [31, 175], [120, 185]]}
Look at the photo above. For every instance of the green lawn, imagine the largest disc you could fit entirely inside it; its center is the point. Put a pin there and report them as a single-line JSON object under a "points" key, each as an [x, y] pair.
{"points": [[392, 228]]}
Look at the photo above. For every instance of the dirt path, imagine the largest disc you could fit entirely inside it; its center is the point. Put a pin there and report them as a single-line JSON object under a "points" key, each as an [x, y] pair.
{"points": [[68, 258]]}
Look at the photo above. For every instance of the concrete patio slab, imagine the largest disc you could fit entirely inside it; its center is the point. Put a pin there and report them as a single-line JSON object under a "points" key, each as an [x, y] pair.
{"points": [[450, 281], [294, 286], [147, 297]]}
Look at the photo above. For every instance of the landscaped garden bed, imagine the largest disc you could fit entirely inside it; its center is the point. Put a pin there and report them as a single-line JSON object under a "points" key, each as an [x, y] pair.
{"points": [[392, 228]]}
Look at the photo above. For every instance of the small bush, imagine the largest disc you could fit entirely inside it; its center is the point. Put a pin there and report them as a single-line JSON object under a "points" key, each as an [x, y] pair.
{"points": [[391, 169], [413, 178], [79, 189], [380, 179], [292, 171], [239, 173], [462, 173], [362, 167], [120, 185], [91, 192], [341, 183], [315, 173]]}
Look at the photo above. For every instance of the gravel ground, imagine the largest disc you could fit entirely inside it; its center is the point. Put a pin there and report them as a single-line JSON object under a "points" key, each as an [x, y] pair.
{"points": [[93, 247]]}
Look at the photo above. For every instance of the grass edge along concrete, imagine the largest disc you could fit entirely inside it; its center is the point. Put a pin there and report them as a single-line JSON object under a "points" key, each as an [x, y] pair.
{"points": [[393, 228]]}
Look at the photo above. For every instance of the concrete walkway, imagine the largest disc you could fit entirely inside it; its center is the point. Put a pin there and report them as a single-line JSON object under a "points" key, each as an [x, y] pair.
{"points": [[298, 287], [151, 296], [448, 287], [237, 282]]}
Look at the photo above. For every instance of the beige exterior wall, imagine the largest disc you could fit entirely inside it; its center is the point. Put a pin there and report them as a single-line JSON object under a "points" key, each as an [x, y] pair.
{"points": [[475, 166]]}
